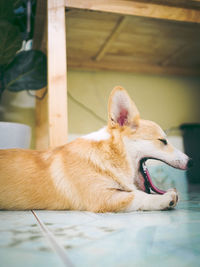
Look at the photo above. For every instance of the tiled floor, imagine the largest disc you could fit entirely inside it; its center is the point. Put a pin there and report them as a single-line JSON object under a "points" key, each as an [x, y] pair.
{"points": [[66, 238]]}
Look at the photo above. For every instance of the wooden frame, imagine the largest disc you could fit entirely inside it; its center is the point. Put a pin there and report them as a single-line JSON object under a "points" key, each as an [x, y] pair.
{"points": [[57, 73], [51, 112], [57, 70], [136, 8]]}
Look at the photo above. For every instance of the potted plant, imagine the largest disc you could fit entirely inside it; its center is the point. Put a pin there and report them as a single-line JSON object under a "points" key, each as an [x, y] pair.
{"points": [[20, 69]]}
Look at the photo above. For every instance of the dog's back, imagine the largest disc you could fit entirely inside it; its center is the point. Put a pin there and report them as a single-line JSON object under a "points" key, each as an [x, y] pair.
{"points": [[79, 175]]}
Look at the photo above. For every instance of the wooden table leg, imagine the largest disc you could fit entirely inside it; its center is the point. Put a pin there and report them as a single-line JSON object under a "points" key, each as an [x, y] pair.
{"points": [[57, 73]]}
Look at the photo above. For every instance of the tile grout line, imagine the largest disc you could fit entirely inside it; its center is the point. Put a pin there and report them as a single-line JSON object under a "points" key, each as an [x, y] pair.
{"points": [[52, 240]]}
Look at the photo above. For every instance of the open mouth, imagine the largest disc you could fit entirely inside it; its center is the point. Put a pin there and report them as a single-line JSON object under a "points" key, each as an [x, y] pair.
{"points": [[148, 183]]}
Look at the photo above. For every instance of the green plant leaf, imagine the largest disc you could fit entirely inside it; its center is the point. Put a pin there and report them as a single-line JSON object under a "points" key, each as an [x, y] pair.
{"points": [[28, 71], [6, 10], [17, 3], [10, 41]]}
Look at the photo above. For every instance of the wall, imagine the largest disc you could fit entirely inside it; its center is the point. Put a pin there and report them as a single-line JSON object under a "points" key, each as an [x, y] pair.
{"points": [[168, 100]]}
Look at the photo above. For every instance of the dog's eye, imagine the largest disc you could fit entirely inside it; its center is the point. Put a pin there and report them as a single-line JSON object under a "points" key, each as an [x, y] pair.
{"points": [[164, 141]]}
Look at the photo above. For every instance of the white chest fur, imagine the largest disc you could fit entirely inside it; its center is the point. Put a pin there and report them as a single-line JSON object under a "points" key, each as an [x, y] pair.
{"points": [[99, 135]]}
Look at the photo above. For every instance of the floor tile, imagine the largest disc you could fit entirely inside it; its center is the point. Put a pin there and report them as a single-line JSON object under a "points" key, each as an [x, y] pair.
{"points": [[161, 238], [21, 239]]}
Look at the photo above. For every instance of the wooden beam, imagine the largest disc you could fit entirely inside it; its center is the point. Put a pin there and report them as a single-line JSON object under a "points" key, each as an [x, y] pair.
{"points": [[117, 29], [57, 74], [39, 43], [91, 65], [143, 9]]}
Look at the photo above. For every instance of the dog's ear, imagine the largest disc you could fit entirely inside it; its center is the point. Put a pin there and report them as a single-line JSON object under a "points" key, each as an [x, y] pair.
{"points": [[121, 109]]}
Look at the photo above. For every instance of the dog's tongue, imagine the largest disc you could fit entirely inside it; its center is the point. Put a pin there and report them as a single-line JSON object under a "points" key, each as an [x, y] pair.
{"points": [[149, 182]]}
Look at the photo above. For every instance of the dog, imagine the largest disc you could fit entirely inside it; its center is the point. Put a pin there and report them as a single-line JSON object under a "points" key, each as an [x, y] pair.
{"points": [[99, 172]]}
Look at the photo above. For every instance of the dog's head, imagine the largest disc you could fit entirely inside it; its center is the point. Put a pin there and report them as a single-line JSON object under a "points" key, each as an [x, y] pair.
{"points": [[143, 139]]}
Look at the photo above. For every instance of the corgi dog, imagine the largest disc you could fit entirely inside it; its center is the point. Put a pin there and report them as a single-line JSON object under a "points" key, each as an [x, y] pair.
{"points": [[103, 171]]}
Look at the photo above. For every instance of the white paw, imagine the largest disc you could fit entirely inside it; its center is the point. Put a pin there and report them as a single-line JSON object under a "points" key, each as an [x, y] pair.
{"points": [[170, 199]]}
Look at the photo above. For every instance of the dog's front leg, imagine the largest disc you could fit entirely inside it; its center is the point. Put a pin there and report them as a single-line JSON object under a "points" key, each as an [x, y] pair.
{"points": [[144, 201]]}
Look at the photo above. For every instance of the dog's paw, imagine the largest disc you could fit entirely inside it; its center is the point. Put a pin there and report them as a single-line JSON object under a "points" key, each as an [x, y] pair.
{"points": [[170, 199]]}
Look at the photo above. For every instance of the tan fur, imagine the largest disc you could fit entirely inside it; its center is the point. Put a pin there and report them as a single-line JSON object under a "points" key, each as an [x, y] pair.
{"points": [[49, 180], [82, 175]]}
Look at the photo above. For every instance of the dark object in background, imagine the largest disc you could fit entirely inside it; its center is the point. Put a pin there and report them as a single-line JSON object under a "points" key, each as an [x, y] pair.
{"points": [[19, 69], [191, 138]]}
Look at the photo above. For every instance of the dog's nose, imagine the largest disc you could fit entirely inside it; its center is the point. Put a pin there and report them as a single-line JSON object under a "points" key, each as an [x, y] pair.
{"points": [[190, 163]]}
